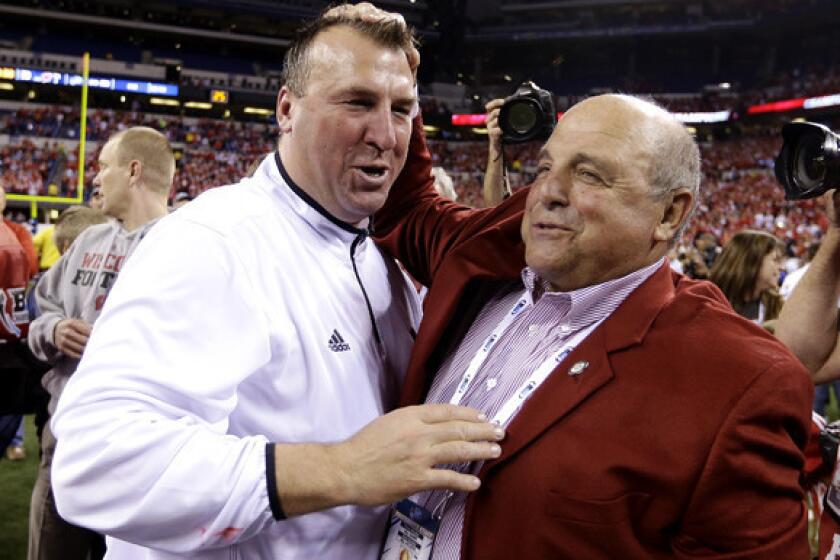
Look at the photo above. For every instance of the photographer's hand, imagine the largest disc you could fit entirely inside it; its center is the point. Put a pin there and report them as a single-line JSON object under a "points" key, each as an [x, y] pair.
{"points": [[808, 322], [832, 206], [494, 190]]}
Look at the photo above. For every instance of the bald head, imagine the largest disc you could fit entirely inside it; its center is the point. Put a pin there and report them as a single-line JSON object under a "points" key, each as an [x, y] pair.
{"points": [[675, 157]]}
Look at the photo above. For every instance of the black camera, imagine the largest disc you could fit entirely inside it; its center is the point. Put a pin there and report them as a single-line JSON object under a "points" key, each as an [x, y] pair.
{"points": [[809, 163], [528, 114]]}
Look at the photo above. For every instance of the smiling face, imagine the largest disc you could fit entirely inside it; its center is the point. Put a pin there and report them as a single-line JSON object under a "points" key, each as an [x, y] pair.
{"points": [[591, 215], [344, 141]]}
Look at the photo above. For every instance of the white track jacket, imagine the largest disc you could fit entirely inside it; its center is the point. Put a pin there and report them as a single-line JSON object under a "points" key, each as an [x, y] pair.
{"points": [[239, 320]]}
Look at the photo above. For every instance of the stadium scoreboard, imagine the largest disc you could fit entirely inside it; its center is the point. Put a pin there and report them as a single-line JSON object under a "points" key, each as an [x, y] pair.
{"points": [[48, 77]]}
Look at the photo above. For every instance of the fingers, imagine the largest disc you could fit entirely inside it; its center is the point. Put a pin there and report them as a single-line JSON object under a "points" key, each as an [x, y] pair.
{"points": [[82, 327], [71, 348], [367, 12], [364, 11], [75, 337], [433, 413], [71, 337], [465, 431], [494, 105], [413, 56], [452, 452], [450, 480], [494, 131]]}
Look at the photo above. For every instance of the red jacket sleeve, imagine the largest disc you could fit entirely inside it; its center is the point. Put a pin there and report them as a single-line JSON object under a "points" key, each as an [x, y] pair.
{"points": [[418, 226], [25, 240]]}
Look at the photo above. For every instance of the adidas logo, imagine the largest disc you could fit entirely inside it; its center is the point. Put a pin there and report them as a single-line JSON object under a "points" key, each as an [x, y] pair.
{"points": [[337, 343]]}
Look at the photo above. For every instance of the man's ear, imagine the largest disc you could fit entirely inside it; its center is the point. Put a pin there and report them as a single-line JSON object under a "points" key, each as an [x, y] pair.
{"points": [[678, 205], [285, 103], [135, 171]]}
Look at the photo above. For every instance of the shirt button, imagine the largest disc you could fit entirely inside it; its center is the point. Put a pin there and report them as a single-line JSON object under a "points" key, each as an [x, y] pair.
{"points": [[533, 328], [491, 384], [565, 328]]}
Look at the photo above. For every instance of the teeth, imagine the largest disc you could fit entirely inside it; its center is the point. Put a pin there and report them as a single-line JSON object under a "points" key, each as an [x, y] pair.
{"points": [[375, 171]]}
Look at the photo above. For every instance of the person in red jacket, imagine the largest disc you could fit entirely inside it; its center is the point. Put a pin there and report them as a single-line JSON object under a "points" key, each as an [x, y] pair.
{"points": [[644, 418], [22, 234]]}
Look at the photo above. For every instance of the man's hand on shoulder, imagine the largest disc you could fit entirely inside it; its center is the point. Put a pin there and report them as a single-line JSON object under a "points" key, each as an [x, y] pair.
{"points": [[71, 336], [365, 11], [389, 459]]}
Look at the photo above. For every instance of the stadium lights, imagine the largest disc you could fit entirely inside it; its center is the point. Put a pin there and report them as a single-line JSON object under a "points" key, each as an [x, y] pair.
{"points": [[198, 105], [258, 111], [703, 117], [6, 86], [160, 101], [430, 129]]}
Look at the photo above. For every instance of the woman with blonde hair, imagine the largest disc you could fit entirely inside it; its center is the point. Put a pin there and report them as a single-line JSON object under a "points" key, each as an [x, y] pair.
{"points": [[747, 271]]}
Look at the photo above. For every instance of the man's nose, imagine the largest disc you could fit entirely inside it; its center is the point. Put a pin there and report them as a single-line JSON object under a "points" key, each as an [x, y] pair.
{"points": [[554, 191], [380, 129]]}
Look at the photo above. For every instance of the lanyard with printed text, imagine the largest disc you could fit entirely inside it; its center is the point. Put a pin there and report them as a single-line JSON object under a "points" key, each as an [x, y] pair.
{"points": [[509, 408]]}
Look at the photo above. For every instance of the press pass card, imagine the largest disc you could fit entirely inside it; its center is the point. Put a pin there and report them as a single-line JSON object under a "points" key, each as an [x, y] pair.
{"points": [[411, 534]]}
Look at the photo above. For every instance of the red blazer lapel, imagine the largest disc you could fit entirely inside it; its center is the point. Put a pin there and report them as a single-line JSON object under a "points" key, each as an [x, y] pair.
{"points": [[561, 393], [486, 256]]}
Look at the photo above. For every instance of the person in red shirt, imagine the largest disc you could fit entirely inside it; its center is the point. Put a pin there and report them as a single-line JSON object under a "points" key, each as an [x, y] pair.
{"points": [[22, 234]]}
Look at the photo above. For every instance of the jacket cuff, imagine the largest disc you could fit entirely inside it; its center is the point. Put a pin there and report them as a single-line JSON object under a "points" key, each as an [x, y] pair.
{"points": [[271, 482]]}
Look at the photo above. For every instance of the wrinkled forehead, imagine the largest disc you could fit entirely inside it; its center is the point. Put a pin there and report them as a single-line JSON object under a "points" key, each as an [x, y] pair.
{"points": [[614, 120], [607, 130], [341, 50]]}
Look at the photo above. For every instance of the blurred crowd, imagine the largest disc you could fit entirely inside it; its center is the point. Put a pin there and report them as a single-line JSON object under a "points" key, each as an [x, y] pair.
{"points": [[739, 189]]}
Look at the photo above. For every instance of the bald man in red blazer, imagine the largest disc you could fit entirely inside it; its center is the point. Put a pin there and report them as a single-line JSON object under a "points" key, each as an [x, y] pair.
{"points": [[684, 436]]}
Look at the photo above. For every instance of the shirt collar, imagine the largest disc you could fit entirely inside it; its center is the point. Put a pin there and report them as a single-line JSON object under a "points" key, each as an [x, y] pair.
{"points": [[307, 207], [586, 305]]}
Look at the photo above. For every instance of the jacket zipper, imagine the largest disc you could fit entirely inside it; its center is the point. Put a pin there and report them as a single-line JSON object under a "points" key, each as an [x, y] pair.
{"points": [[359, 238]]}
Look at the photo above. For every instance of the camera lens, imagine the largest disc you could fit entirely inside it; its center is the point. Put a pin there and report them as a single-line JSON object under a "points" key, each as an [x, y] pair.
{"points": [[522, 117], [810, 162]]}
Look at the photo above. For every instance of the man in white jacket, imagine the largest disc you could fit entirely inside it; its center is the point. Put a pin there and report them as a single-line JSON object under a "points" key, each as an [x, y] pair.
{"points": [[228, 404], [136, 167]]}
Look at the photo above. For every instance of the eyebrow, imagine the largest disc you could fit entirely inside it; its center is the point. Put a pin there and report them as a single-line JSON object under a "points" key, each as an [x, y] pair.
{"points": [[358, 91], [600, 163]]}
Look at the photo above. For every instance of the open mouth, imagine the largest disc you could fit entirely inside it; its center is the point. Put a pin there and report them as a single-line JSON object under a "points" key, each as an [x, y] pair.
{"points": [[373, 171]]}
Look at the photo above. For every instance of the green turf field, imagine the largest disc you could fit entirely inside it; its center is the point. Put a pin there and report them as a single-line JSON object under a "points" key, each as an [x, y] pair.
{"points": [[16, 481]]}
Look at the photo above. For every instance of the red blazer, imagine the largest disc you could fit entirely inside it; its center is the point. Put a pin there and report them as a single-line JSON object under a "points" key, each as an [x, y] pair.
{"points": [[682, 439]]}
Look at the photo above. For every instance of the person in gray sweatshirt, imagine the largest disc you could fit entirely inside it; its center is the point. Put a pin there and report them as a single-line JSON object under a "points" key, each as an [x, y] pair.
{"points": [[136, 168]]}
